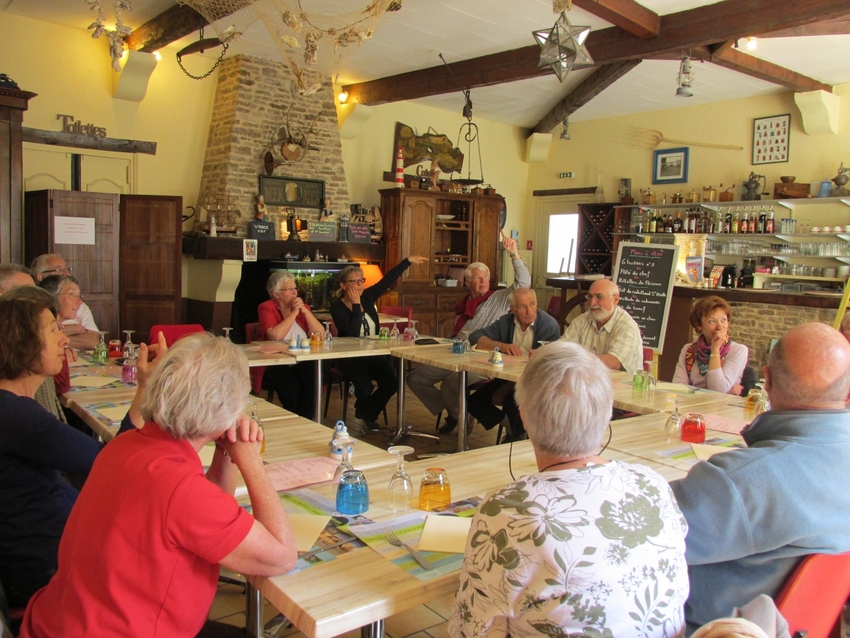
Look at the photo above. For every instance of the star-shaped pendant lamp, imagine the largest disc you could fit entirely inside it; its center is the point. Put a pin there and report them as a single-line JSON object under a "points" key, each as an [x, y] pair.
{"points": [[562, 46]]}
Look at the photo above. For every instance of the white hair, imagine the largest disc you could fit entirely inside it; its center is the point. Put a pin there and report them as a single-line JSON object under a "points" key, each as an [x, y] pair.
{"points": [[520, 291], [475, 266], [39, 264], [566, 396], [199, 388], [277, 279]]}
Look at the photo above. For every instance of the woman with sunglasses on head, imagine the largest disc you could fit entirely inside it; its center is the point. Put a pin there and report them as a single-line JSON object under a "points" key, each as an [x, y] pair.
{"points": [[355, 315]]}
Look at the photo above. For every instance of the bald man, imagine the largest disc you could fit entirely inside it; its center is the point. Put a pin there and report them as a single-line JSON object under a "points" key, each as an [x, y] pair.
{"points": [[607, 330], [754, 513], [12, 275]]}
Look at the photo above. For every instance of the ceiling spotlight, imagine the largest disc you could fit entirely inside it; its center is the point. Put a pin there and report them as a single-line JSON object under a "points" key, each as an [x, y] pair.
{"points": [[562, 46], [752, 43], [686, 78], [565, 134]]}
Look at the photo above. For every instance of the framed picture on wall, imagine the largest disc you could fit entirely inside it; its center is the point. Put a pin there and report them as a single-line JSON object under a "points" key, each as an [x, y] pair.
{"points": [[670, 166], [771, 139]]}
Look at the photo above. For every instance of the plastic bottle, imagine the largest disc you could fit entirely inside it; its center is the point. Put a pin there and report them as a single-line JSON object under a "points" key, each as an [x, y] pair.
{"points": [[340, 439]]}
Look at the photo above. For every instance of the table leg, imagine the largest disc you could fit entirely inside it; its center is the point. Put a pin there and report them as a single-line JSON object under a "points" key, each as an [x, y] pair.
{"points": [[375, 630], [399, 431], [317, 400], [253, 611], [461, 412]]}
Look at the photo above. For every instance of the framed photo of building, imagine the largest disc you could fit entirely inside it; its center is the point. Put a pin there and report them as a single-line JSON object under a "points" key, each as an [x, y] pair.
{"points": [[771, 139], [670, 166]]}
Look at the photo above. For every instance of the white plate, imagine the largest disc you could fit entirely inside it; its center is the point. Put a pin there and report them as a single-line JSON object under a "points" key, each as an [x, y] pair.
{"points": [[445, 217]]}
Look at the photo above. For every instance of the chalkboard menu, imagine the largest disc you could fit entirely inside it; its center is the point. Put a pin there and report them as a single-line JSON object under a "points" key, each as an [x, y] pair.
{"points": [[322, 231], [360, 233], [645, 275]]}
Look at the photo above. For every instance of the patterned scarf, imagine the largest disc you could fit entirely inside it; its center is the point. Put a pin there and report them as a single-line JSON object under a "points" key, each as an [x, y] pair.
{"points": [[701, 351]]}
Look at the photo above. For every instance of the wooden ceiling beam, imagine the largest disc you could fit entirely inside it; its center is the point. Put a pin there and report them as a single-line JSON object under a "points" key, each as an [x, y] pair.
{"points": [[764, 70], [840, 26], [630, 16], [721, 47], [590, 87], [169, 26], [682, 31]]}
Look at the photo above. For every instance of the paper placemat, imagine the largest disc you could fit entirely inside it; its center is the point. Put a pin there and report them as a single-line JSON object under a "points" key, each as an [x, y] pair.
{"points": [[114, 413], [724, 424], [445, 534], [288, 475], [704, 452], [92, 381]]}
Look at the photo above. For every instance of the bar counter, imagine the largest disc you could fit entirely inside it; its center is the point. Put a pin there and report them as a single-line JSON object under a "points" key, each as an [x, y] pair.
{"points": [[758, 316]]}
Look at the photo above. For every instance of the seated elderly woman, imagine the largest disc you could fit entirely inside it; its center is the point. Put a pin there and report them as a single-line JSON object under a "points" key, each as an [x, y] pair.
{"points": [[585, 546], [67, 290], [284, 317], [35, 446], [355, 315], [141, 551], [712, 361]]}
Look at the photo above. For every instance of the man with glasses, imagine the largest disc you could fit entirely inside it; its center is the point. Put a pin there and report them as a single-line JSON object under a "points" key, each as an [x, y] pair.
{"points": [[54, 264], [607, 330], [479, 308]]}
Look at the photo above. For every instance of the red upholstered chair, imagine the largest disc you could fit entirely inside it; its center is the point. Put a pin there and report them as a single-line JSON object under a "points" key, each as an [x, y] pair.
{"points": [[554, 310], [252, 334], [815, 593], [648, 356], [398, 311], [173, 332]]}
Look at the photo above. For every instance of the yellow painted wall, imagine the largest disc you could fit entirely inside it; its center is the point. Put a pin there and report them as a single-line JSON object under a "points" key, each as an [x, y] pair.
{"points": [[610, 143], [368, 155], [72, 74]]}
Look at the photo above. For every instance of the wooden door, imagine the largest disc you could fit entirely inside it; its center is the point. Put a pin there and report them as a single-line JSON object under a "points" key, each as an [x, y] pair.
{"points": [[95, 266], [418, 236], [150, 262], [485, 235]]}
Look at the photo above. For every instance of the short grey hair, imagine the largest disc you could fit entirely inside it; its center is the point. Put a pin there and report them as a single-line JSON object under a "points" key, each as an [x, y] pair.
{"points": [[467, 274], [199, 388], [55, 283], [513, 293], [7, 271], [39, 264], [277, 279], [566, 396]]}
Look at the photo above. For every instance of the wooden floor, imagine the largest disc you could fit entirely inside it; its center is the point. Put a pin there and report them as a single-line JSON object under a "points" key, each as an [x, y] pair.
{"points": [[421, 622]]}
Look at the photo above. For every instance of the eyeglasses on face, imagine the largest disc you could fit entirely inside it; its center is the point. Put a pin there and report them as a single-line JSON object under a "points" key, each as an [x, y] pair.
{"points": [[356, 281], [62, 270], [598, 296], [287, 289], [75, 295]]}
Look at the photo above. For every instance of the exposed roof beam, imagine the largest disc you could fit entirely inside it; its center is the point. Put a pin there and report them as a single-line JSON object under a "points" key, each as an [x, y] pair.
{"points": [[764, 70], [590, 87], [626, 14], [721, 47], [706, 25], [169, 26], [840, 26]]}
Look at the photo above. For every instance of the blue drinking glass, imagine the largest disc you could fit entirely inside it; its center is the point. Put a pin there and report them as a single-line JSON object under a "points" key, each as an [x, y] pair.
{"points": [[352, 493]]}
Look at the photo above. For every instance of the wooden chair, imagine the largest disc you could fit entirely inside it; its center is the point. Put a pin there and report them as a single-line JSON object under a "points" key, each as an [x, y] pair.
{"points": [[814, 595], [173, 332]]}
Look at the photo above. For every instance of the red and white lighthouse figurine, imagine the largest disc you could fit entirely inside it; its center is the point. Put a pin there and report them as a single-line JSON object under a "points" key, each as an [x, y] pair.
{"points": [[399, 168]]}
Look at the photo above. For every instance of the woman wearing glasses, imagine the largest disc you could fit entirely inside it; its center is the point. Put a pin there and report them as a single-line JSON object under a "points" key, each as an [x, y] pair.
{"points": [[354, 315], [282, 318], [67, 290], [712, 361]]}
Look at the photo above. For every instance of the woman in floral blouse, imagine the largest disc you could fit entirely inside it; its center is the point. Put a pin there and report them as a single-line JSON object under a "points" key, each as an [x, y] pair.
{"points": [[585, 546]]}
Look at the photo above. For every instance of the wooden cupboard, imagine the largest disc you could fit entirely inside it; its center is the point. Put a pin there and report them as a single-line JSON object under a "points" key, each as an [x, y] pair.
{"points": [[453, 230]]}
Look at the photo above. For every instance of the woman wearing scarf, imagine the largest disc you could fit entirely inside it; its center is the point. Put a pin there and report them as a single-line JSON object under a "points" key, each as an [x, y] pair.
{"points": [[712, 361]]}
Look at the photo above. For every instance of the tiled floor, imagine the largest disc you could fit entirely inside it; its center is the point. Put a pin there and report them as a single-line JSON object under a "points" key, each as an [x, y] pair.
{"points": [[423, 621]]}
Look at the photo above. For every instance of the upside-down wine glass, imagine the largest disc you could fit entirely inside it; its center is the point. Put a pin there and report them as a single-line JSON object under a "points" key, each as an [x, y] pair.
{"points": [[673, 426], [226, 332], [401, 487], [128, 344], [253, 402], [394, 333], [410, 333], [328, 335]]}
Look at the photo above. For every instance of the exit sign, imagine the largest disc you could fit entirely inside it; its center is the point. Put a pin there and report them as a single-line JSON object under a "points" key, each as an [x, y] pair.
{"points": [[565, 175]]}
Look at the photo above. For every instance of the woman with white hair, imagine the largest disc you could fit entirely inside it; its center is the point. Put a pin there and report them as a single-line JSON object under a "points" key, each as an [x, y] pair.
{"points": [[585, 546], [141, 551], [284, 317], [66, 289]]}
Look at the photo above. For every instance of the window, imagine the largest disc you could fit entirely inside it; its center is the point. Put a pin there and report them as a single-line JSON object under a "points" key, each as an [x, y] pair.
{"points": [[563, 234]]}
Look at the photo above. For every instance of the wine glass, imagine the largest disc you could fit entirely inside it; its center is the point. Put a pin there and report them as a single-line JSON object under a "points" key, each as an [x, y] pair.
{"points": [[401, 487], [100, 354], [328, 335], [410, 333], [129, 369], [254, 402], [226, 332], [345, 465], [394, 333], [128, 344], [673, 426]]}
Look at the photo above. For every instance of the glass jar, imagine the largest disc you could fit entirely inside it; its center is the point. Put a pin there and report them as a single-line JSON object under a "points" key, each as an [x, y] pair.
{"points": [[693, 428], [434, 491]]}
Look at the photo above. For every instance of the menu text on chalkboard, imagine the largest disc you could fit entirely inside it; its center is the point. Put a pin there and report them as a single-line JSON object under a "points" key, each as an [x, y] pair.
{"points": [[645, 276], [322, 231], [360, 233]]}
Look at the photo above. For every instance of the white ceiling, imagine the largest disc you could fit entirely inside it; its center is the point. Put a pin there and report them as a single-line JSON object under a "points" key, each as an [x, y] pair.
{"points": [[412, 38]]}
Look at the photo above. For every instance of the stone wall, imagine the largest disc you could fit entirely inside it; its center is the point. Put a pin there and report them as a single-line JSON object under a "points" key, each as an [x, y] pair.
{"points": [[251, 103], [756, 324]]}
